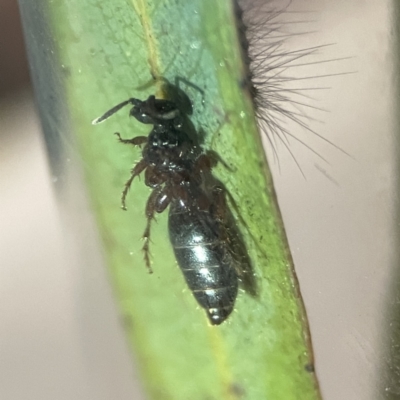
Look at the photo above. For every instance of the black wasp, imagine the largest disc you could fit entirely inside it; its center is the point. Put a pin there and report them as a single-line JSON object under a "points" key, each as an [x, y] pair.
{"points": [[206, 244]]}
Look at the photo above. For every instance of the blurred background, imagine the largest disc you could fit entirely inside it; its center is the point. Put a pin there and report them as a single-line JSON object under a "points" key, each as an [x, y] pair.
{"points": [[55, 343], [60, 342]]}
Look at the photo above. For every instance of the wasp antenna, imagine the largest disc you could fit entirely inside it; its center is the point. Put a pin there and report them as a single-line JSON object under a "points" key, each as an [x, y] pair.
{"points": [[112, 111]]}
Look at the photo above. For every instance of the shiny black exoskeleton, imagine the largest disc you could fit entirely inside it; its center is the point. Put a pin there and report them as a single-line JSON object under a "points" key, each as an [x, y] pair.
{"points": [[200, 239], [179, 173]]}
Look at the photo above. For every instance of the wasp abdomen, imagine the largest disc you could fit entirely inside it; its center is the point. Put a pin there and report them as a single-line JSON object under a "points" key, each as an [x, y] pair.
{"points": [[204, 258]]}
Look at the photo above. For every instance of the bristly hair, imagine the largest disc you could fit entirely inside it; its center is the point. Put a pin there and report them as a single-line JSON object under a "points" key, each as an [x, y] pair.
{"points": [[264, 32]]}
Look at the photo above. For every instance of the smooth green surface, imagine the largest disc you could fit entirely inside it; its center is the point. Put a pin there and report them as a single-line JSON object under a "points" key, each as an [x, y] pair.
{"points": [[107, 49]]}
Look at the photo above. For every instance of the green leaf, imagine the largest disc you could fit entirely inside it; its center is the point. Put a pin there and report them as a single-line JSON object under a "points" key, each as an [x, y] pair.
{"points": [[108, 51]]}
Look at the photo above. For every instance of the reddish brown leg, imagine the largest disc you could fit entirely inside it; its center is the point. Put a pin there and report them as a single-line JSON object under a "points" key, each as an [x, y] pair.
{"points": [[158, 201], [136, 141], [209, 160], [135, 171], [204, 163], [153, 178]]}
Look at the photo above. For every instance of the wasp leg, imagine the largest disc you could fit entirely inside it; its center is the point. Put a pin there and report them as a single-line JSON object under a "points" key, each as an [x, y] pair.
{"points": [[205, 163], [209, 160], [179, 79], [158, 201], [218, 159], [136, 141], [135, 171]]}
